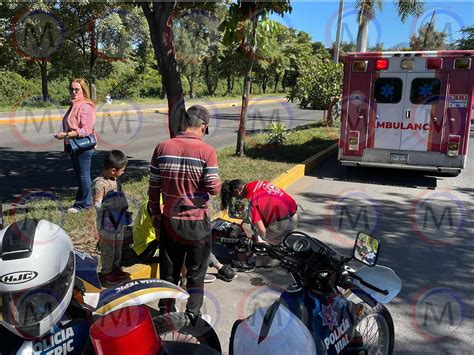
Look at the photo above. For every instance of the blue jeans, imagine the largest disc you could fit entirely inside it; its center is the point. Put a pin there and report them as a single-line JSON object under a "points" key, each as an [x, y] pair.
{"points": [[81, 162]]}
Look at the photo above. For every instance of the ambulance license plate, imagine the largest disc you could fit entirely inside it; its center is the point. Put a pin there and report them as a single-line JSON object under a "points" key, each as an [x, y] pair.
{"points": [[399, 158]]}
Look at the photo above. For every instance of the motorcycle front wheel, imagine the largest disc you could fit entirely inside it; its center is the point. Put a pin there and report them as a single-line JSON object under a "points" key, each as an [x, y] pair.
{"points": [[376, 331], [176, 327]]}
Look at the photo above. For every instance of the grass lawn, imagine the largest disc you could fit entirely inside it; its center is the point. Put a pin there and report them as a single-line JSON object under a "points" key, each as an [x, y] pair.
{"points": [[261, 162]]}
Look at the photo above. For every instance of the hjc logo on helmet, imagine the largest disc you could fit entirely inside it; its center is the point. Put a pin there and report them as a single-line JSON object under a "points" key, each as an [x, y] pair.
{"points": [[18, 277]]}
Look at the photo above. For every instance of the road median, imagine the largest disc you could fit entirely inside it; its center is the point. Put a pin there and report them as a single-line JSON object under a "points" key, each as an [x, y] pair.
{"points": [[35, 117]]}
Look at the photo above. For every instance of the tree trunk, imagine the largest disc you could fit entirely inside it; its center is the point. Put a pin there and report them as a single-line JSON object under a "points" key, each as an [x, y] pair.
{"points": [[245, 96], [277, 79], [229, 82], [158, 16], [363, 33], [211, 83], [264, 84], [206, 77], [44, 79], [92, 61], [163, 90], [191, 85]]}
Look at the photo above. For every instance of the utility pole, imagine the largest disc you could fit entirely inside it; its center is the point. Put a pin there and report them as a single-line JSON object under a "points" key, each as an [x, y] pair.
{"points": [[338, 32]]}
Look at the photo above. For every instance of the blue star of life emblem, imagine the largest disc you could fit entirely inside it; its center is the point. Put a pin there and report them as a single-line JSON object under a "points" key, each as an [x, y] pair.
{"points": [[425, 90], [329, 316], [387, 90]]}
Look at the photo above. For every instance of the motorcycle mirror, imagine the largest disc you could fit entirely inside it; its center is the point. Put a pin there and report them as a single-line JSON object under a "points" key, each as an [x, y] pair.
{"points": [[366, 249]]}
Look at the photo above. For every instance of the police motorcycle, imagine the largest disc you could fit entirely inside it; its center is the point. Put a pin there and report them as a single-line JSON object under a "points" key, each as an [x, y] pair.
{"points": [[51, 302], [334, 306]]}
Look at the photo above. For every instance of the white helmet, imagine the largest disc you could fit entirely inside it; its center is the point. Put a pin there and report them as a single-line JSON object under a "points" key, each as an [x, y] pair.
{"points": [[36, 276]]}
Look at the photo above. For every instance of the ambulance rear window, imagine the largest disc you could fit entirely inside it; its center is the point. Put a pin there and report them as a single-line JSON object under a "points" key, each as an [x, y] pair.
{"points": [[425, 91], [388, 90]]}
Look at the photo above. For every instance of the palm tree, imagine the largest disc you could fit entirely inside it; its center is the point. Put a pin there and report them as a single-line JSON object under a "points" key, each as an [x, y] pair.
{"points": [[428, 38], [367, 11]]}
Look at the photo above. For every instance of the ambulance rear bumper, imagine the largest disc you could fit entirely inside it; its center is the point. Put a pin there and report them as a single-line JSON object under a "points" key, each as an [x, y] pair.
{"points": [[423, 161], [436, 169]]}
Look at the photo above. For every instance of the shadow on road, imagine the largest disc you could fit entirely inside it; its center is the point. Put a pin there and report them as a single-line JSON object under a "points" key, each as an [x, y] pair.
{"points": [[331, 170], [23, 171], [429, 262], [258, 117]]}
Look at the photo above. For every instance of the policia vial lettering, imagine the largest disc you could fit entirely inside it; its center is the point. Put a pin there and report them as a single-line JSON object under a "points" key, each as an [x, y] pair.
{"points": [[338, 336], [60, 342]]}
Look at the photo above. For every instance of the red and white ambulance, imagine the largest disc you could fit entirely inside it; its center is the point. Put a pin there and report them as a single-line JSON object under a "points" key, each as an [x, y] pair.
{"points": [[408, 110]]}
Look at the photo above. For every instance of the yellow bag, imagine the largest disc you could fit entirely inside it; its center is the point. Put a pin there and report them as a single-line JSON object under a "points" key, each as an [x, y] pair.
{"points": [[143, 230]]}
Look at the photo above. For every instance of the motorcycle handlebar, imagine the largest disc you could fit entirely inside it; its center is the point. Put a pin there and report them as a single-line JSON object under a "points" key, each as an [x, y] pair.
{"points": [[244, 244]]}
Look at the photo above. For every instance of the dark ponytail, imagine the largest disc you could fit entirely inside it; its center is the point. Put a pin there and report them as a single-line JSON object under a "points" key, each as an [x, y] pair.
{"points": [[227, 192]]}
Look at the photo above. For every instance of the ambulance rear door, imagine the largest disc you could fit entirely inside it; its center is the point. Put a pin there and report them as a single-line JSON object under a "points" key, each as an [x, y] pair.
{"points": [[389, 94], [423, 118]]}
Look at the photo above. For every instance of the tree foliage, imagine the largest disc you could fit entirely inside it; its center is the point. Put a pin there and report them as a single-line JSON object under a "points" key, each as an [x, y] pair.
{"points": [[110, 44], [467, 41], [428, 38], [318, 85]]}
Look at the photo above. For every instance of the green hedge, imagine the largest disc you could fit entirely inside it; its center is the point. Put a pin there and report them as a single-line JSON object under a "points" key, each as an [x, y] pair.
{"points": [[13, 89]]}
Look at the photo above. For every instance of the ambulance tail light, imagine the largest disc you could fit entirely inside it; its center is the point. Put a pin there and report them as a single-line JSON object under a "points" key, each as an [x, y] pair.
{"points": [[381, 64], [434, 63], [354, 140], [453, 145]]}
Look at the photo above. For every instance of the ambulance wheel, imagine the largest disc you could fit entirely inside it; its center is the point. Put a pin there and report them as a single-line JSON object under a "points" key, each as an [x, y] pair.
{"points": [[178, 327], [375, 330]]}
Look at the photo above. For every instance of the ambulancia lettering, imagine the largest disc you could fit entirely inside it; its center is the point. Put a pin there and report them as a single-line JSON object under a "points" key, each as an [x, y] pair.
{"points": [[404, 126], [18, 277]]}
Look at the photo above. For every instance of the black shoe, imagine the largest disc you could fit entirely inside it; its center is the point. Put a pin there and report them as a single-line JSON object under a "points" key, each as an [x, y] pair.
{"points": [[226, 273], [243, 266]]}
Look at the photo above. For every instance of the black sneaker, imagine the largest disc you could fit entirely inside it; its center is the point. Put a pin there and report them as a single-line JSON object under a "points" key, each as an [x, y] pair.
{"points": [[226, 273], [243, 266]]}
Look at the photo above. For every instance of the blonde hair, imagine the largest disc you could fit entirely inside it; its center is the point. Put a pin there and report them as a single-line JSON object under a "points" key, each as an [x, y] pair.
{"points": [[84, 86]]}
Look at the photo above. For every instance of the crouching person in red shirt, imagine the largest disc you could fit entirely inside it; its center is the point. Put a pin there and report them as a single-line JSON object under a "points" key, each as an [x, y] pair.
{"points": [[270, 210]]}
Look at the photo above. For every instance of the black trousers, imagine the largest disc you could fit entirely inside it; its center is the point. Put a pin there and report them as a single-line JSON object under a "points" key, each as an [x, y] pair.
{"points": [[187, 242]]}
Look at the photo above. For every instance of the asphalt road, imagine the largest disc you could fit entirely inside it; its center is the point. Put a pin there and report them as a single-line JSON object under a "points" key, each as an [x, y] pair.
{"points": [[31, 159], [426, 229]]}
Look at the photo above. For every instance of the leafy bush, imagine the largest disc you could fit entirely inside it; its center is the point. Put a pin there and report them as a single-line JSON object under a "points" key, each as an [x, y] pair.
{"points": [[278, 133], [125, 82], [318, 85], [13, 88]]}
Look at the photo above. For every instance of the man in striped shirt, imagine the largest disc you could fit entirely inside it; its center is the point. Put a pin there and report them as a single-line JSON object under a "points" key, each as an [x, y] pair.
{"points": [[184, 171]]}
